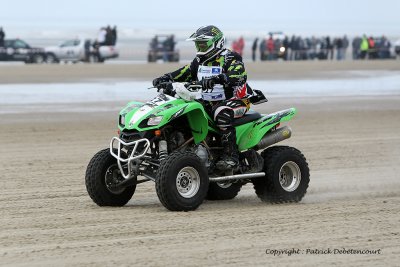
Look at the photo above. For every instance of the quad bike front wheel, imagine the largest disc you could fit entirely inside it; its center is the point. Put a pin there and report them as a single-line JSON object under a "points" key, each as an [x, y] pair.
{"points": [[223, 191], [182, 181], [286, 175], [101, 174]]}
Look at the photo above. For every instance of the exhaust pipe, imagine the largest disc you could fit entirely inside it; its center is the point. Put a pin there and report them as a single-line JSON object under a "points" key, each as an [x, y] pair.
{"points": [[274, 137]]}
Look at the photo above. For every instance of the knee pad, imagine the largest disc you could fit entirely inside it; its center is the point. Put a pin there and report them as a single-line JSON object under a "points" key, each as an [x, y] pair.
{"points": [[223, 117]]}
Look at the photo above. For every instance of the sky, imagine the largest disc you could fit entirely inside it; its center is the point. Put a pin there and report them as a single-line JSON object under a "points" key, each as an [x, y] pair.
{"points": [[49, 17]]}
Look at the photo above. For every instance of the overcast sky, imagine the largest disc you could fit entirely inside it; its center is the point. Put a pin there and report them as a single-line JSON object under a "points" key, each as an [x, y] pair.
{"points": [[291, 16]]}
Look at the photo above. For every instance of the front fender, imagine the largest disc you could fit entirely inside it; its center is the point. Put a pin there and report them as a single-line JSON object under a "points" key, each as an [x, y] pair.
{"points": [[193, 110], [196, 117]]}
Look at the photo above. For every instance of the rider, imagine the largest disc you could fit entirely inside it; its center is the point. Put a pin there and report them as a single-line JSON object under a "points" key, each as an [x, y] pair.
{"points": [[223, 78]]}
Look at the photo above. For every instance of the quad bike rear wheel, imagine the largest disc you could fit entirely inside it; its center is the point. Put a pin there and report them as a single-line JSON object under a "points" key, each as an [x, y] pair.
{"points": [[182, 181], [101, 174], [286, 175]]}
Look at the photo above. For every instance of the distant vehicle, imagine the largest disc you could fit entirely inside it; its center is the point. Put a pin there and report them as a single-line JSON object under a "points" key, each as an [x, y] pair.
{"points": [[79, 50], [157, 49], [279, 49], [19, 50]]}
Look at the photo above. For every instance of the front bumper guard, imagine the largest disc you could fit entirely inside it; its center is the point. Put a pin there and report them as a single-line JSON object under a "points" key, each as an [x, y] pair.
{"points": [[130, 158]]}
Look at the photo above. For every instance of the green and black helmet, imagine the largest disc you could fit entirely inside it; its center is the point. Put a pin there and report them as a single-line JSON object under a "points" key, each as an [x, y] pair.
{"points": [[208, 40]]}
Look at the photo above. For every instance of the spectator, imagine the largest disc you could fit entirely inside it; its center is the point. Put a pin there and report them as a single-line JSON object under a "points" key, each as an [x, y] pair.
{"points": [[384, 48], [235, 46], [87, 50], [114, 35], [109, 36], [262, 49], [154, 43], [292, 47], [165, 49], [101, 36], [168, 48], [364, 47], [240, 45], [329, 46], [372, 54], [356, 45], [313, 47], [270, 48], [2, 36], [286, 45], [301, 49], [254, 49], [339, 48], [172, 43], [345, 46]]}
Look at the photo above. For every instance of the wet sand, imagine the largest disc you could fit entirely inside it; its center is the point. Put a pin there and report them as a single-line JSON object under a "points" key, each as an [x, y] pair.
{"points": [[256, 71], [352, 145]]}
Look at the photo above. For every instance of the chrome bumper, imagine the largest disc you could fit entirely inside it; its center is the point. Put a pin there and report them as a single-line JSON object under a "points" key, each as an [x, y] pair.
{"points": [[117, 144]]}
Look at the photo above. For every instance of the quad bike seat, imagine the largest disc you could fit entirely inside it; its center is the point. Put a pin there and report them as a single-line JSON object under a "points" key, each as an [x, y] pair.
{"points": [[251, 115]]}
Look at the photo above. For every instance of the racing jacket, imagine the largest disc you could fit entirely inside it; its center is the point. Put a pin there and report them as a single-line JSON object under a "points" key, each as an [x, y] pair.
{"points": [[227, 63]]}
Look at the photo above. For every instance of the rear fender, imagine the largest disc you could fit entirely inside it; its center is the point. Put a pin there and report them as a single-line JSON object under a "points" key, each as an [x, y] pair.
{"points": [[250, 134]]}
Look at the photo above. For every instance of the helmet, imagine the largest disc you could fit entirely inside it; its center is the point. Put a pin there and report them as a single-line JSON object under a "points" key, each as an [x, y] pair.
{"points": [[208, 40]]}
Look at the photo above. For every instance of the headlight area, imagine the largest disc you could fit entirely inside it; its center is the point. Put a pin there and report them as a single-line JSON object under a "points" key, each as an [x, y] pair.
{"points": [[122, 120], [153, 121]]}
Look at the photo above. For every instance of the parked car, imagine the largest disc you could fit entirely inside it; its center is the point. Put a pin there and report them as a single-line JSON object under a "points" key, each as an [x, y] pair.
{"points": [[19, 50], [76, 50], [163, 47]]}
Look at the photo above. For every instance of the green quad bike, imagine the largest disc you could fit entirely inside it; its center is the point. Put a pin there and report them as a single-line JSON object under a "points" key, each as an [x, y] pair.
{"points": [[172, 141]]}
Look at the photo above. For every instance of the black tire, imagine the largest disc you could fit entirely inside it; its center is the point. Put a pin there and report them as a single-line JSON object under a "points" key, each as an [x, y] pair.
{"points": [[282, 160], [51, 58], [192, 174], [93, 58], [38, 58], [96, 184], [220, 191], [151, 58]]}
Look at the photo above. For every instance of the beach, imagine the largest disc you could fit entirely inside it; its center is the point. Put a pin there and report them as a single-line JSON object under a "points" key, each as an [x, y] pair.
{"points": [[111, 71], [351, 142]]}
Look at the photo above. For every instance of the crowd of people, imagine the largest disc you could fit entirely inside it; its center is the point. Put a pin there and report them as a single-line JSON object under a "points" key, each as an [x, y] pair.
{"points": [[324, 48], [106, 36], [275, 46], [371, 47]]}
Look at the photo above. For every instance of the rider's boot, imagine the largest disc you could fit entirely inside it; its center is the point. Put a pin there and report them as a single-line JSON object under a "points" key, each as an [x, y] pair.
{"points": [[230, 156]]}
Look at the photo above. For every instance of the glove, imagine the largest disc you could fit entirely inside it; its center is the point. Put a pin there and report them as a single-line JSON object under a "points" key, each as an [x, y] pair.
{"points": [[169, 89], [208, 83], [163, 79]]}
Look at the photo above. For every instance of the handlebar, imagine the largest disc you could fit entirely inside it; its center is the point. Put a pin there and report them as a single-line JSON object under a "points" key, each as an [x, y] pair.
{"points": [[192, 86]]}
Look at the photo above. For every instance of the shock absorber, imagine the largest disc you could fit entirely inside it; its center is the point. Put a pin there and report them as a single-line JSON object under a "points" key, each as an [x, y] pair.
{"points": [[162, 150]]}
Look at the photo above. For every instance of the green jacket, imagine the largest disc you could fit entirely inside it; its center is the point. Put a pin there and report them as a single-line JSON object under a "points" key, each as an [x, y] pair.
{"points": [[364, 44]]}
